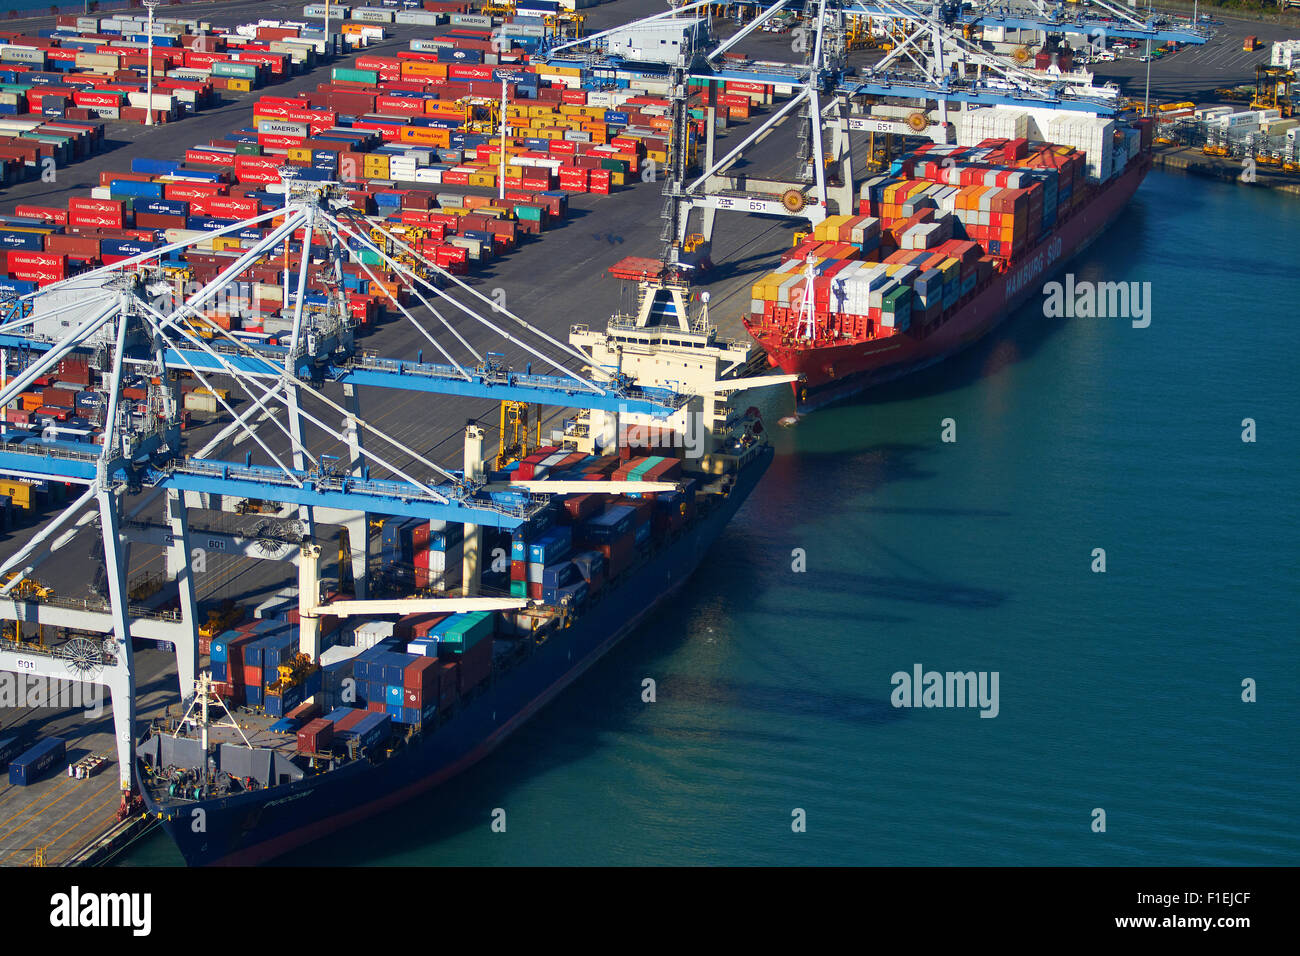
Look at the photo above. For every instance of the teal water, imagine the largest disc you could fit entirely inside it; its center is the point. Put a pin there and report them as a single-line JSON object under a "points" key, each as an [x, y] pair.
{"points": [[1119, 691]]}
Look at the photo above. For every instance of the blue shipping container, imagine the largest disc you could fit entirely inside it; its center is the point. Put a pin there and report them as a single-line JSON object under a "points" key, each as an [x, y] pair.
{"points": [[29, 767], [9, 748]]}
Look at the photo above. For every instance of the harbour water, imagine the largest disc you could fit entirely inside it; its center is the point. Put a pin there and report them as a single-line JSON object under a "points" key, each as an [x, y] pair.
{"points": [[1119, 691]]}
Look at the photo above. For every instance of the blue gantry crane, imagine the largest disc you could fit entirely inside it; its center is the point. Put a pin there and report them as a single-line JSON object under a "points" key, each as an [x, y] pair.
{"points": [[110, 317], [936, 56]]}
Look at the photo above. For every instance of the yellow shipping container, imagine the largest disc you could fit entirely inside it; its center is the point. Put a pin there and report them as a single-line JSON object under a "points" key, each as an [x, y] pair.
{"points": [[19, 492], [425, 136], [423, 68], [235, 85], [483, 179], [828, 230]]}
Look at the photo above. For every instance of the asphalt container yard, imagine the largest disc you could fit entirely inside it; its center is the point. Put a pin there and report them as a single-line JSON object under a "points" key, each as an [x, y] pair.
{"points": [[57, 819]]}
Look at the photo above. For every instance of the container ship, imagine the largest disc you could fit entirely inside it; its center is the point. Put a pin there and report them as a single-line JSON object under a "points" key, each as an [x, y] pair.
{"points": [[275, 750], [946, 245]]}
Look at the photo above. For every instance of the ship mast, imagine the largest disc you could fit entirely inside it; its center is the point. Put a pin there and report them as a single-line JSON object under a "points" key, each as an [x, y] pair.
{"points": [[204, 696], [807, 327]]}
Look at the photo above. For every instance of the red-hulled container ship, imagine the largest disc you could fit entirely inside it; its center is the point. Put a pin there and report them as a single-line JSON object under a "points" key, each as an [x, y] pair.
{"points": [[944, 247]]}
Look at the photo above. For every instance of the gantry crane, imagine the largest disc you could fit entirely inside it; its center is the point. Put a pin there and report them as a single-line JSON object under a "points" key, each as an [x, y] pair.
{"points": [[110, 314]]}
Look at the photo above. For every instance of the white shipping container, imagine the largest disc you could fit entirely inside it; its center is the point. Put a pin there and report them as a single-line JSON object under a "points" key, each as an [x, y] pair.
{"points": [[447, 560], [372, 15], [338, 653], [294, 45], [422, 18], [198, 402], [280, 128], [12, 53], [339, 11], [161, 101], [1285, 53], [96, 61]]}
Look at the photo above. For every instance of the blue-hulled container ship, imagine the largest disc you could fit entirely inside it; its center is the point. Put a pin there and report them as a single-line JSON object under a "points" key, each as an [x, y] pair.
{"points": [[400, 705]]}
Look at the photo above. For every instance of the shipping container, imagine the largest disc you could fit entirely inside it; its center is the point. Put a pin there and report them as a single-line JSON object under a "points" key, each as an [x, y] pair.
{"points": [[40, 760]]}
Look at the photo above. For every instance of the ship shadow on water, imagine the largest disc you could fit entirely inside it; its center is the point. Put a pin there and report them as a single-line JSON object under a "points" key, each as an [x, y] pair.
{"points": [[602, 705]]}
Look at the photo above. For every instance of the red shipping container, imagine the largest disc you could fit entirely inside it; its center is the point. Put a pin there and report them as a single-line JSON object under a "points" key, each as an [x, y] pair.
{"points": [[315, 736], [618, 555], [448, 685], [582, 507], [475, 665], [59, 397], [49, 214], [39, 267], [304, 712], [208, 157], [96, 212], [351, 720], [421, 674], [83, 246], [191, 191], [153, 220], [255, 169], [224, 207]]}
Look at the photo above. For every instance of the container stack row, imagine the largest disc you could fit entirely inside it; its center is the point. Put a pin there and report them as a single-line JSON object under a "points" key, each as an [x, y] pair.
{"points": [[928, 234]]}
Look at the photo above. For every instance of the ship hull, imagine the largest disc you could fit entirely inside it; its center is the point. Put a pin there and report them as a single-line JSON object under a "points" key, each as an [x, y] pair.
{"points": [[835, 372], [252, 828]]}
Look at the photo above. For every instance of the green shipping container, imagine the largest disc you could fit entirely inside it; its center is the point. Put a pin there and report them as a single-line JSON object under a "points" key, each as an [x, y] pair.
{"points": [[897, 300], [636, 473], [467, 630], [241, 71], [248, 149], [531, 213], [519, 589], [347, 75]]}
